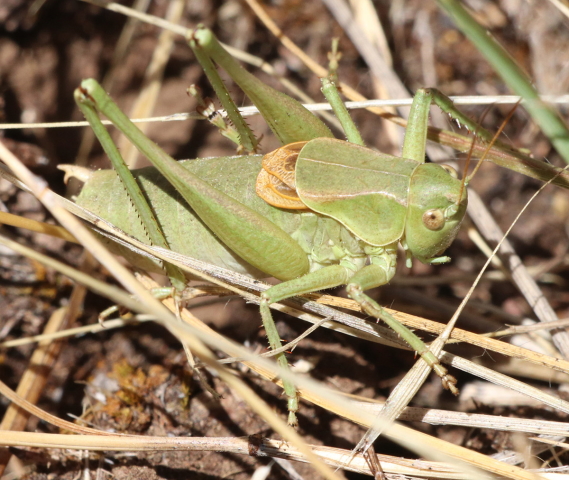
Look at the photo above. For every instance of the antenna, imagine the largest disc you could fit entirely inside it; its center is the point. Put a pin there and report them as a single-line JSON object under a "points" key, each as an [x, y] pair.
{"points": [[466, 179]]}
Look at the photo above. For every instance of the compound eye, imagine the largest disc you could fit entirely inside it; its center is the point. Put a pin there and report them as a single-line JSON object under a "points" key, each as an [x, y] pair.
{"points": [[451, 171], [434, 219]]}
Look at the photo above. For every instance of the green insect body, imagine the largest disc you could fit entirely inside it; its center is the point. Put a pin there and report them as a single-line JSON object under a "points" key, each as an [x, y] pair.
{"points": [[320, 237], [394, 196], [361, 203], [381, 198]]}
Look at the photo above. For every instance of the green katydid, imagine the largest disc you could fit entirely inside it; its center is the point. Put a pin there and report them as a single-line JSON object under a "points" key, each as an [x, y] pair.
{"points": [[359, 204]]}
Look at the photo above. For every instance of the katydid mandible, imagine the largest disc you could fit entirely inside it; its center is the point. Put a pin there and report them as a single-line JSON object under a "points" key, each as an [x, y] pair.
{"points": [[355, 204]]}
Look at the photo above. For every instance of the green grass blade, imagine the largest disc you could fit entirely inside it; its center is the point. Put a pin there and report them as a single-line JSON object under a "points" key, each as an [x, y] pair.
{"points": [[544, 115]]}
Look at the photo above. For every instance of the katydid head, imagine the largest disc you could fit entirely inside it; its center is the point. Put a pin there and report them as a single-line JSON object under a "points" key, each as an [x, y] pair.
{"points": [[436, 206]]}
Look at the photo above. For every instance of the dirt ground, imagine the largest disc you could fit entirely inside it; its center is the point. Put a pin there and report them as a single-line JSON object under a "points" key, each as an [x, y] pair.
{"points": [[136, 379]]}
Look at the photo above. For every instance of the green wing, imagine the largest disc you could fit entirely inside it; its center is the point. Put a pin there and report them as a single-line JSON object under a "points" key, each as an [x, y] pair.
{"points": [[363, 189]]}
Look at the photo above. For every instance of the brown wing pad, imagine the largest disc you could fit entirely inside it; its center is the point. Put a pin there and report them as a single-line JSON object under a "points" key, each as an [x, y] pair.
{"points": [[276, 183], [282, 162], [276, 193]]}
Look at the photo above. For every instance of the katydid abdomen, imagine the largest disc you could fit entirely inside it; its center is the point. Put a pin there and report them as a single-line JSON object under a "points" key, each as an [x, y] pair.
{"points": [[324, 240]]}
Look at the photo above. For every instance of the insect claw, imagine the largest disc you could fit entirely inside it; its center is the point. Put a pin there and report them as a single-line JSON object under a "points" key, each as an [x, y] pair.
{"points": [[449, 383]]}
